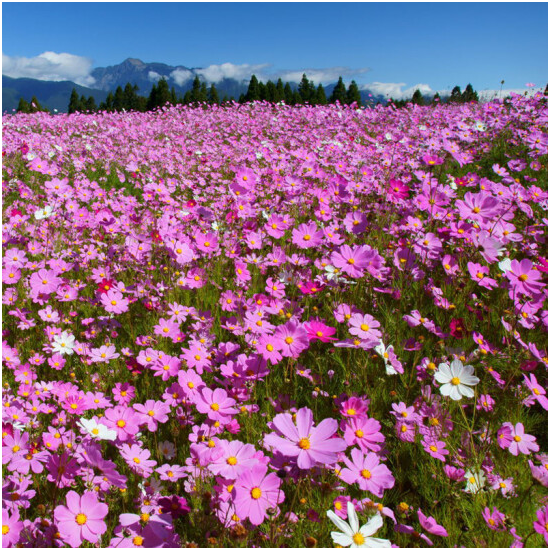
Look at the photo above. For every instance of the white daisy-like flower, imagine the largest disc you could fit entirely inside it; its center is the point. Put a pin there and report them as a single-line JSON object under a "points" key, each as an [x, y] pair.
{"points": [[43, 213], [456, 379], [383, 351], [63, 343], [474, 481], [96, 430], [354, 536], [505, 265]]}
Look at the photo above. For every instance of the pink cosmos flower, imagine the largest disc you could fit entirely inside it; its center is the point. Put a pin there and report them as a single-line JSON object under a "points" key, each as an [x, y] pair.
{"points": [[151, 413], [435, 448], [367, 472], [82, 518], [316, 330], [364, 327], [255, 492], [306, 235], [494, 519], [123, 420], [216, 404], [364, 432], [541, 523], [310, 446], [138, 459], [292, 339], [520, 442], [523, 278], [268, 346], [103, 354], [233, 459], [430, 525], [114, 302], [11, 528]]}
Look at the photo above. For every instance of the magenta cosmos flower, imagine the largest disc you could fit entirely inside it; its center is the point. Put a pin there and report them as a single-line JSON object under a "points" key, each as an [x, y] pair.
{"points": [[256, 492], [310, 445], [81, 519]]}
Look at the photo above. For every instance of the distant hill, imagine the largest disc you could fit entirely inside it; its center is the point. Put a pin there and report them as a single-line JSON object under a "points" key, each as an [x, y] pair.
{"points": [[54, 95]]}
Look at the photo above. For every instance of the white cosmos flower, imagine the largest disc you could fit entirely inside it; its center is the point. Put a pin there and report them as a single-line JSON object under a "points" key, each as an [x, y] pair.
{"points": [[505, 265], [97, 430], [63, 343], [354, 536], [456, 379], [383, 352], [474, 481], [43, 213]]}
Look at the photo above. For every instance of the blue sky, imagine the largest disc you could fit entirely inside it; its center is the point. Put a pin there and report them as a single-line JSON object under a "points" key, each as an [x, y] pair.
{"points": [[392, 44]]}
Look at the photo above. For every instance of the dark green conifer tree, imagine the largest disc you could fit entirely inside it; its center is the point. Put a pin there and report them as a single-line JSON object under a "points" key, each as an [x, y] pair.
{"points": [[339, 93], [469, 94], [456, 95], [118, 101], [353, 94], [417, 98], [288, 94], [253, 93], [163, 93], [280, 95], [213, 97], [91, 105], [320, 95], [270, 92], [23, 106], [304, 90], [74, 102]]}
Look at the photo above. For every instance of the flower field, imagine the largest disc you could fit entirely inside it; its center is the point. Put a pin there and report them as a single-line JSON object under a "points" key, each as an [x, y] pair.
{"points": [[273, 326]]}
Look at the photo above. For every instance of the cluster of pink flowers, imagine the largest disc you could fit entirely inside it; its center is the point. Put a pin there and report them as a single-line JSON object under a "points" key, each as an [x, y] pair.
{"points": [[208, 309]]}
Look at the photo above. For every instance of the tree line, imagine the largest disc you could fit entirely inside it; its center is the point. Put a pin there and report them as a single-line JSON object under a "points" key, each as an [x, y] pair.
{"points": [[457, 96], [128, 99]]}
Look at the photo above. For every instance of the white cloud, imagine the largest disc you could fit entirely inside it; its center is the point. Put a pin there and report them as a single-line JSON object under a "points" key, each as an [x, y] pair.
{"points": [[216, 73], [396, 90], [181, 76], [154, 76], [488, 95], [327, 75], [50, 66]]}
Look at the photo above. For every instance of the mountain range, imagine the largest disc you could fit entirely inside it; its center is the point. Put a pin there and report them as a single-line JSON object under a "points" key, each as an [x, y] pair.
{"points": [[55, 95]]}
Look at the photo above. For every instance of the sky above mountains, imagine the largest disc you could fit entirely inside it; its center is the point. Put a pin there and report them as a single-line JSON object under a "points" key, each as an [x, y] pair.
{"points": [[390, 48]]}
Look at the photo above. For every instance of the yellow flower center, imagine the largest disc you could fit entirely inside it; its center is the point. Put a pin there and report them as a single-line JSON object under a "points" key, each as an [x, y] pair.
{"points": [[359, 433], [455, 381], [365, 327], [215, 407], [256, 493], [351, 412], [304, 443], [366, 474], [517, 438], [81, 519], [137, 541], [121, 423], [5, 529], [289, 340], [433, 448], [358, 539], [232, 461]]}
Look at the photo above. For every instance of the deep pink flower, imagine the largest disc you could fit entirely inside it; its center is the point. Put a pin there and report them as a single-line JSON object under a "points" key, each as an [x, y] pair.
{"points": [[292, 339], [319, 331]]}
